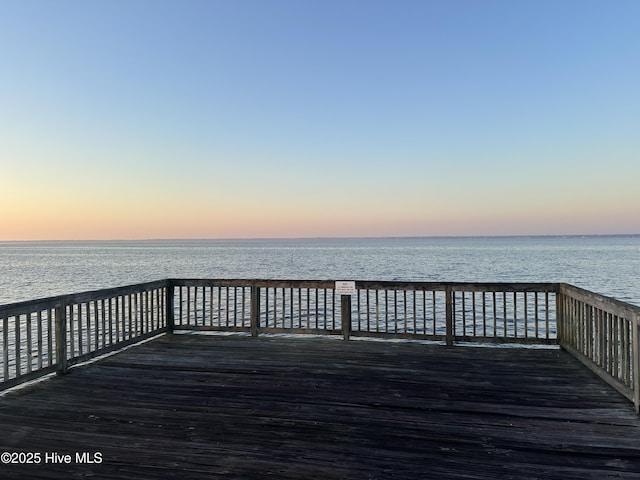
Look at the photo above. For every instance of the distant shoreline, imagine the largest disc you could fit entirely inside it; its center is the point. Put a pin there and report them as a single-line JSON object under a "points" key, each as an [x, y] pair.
{"points": [[289, 239]]}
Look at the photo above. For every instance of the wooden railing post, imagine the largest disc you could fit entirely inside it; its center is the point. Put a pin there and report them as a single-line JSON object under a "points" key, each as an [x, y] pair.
{"points": [[61, 338], [170, 310], [635, 362], [345, 315], [254, 312], [449, 316], [560, 318]]}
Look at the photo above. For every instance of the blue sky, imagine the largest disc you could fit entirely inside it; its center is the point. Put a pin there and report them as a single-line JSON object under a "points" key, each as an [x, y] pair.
{"points": [[173, 119]]}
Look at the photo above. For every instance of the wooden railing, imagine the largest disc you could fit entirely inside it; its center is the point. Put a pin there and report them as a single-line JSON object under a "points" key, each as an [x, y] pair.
{"points": [[257, 306], [457, 312], [448, 312], [50, 335], [603, 334]]}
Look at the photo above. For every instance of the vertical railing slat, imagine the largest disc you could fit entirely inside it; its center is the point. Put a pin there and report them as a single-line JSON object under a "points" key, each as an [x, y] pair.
{"points": [[635, 360], [5, 349]]}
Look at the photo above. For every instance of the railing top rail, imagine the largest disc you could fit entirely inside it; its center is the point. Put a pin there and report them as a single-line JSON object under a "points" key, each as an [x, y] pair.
{"points": [[464, 286], [610, 304], [80, 297], [11, 309], [375, 284], [250, 282]]}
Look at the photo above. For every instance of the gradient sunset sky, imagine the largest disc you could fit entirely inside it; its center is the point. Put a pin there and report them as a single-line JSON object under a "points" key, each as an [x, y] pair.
{"points": [[136, 119]]}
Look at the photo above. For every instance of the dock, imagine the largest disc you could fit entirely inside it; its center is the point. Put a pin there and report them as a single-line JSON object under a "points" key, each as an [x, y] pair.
{"points": [[236, 379], [194, 406]]}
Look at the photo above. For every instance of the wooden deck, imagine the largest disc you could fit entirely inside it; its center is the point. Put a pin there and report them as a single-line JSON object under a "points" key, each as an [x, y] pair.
{"points": [[195, 406]]}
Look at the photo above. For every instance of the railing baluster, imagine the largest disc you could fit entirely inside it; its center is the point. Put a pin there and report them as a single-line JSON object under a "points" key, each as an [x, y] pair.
{"points": [[291, 309], [433, 306], [29, 339], [484, 313], [473, 314], [465, 328], [308, 314], [227, 306], [244, 307], [188, 302], [316, 306], [424, 313], [49, 326], [324, 303], [625, 347], [546, 316], [40, 351], [17, 345], [5, 349], [81, 331], [635, 359], [415, 312], [386, 311], [395, 311], [495, 315], [219, 302], [147, 305], [504, 314]]}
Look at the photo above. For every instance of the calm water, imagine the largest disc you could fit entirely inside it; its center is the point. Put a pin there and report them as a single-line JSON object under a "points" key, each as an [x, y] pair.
{"points": [[608, 265]]}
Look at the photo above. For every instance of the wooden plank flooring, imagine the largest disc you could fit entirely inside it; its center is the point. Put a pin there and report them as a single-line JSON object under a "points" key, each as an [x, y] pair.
{"points": [[191, 406]]}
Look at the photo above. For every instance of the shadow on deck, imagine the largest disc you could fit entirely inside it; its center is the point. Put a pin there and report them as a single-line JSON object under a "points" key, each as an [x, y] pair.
{"points": [[191, 406]]}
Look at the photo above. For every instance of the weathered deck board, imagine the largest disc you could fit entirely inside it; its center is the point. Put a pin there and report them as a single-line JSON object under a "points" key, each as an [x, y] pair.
{"points": [[188, 406]]}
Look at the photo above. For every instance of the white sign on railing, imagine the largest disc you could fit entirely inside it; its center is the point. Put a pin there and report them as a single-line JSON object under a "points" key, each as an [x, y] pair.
{"points": [[345, 288]]}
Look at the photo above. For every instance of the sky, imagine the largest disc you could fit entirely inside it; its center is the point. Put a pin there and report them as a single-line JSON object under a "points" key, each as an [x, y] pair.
{"points": [[149, 119]]}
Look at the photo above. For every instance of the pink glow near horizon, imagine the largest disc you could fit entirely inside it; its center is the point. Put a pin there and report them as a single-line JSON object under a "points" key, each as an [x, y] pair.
{"points": [[313, 119]]}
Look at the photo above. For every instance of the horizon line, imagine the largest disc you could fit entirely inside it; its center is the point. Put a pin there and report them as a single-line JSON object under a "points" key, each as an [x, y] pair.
{"points": [[364, 237]]}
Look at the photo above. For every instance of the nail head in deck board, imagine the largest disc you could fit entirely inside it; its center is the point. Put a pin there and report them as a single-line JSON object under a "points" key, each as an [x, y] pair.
{"points": [[189, 406]]}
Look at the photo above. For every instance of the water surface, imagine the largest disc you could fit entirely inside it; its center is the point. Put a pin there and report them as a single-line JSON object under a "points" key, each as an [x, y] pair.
{"points": [[606, 264]]}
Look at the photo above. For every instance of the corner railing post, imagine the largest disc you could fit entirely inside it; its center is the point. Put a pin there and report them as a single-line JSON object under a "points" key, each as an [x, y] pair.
{"points": [[61, 337], [170, 312], [255, 311], [449, 316], [635, 350], [345, 315]]}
